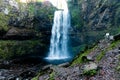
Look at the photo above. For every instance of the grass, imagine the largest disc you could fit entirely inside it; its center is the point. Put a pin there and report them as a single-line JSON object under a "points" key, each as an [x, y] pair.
{"points": [[118, 66], [90, 72], [12, 48], [79, 60], [52, 76], [111, 46], [35, 78], [100, 56]]}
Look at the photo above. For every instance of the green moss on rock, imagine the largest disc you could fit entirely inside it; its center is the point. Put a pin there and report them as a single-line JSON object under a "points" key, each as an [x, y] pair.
{"points": [[10, 49], [79, 60], [3, 22], [90, 72]]}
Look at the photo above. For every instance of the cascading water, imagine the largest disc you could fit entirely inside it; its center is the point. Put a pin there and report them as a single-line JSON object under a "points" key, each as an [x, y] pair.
{"points": [[59, 38]]}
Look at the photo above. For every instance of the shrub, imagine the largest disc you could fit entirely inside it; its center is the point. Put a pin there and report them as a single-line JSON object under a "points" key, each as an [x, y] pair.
{"points": [[90, 72]]}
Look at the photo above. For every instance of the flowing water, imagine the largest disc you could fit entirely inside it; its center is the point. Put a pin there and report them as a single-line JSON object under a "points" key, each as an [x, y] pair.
{"points": [[59, 38]]}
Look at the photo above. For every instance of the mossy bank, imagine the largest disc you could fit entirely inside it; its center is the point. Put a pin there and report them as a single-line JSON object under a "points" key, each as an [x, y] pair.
{"points": [[11, 49]]}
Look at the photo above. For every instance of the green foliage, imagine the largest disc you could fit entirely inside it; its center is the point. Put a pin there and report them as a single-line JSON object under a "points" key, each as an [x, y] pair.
{"points": [[118, 68], [79, 60], [52, 76], [77, 20], [79, 48], [46, 12], [114, 44], [3, 21], [9, 49], [18, 0], [90, 72], [31, 9], [111, 46], [35, 78], [99, 57], [39, 74]]}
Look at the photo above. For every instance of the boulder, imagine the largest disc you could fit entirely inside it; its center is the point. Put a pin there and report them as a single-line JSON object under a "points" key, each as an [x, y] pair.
{"points": [[64, 64], [19, 34], [90, 66], [117, 37]]}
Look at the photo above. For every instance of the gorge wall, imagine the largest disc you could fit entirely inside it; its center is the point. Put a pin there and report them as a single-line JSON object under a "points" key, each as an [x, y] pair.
{"points": [[33, 20]]}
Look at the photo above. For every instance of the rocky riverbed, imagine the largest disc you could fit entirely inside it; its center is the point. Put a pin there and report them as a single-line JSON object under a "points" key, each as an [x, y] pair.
{"points": [[106, 67], [20, 69]]}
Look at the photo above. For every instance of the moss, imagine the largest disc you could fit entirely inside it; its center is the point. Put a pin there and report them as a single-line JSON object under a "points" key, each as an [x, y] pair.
{"points": [[3, 21], [90, 72], [99, 57], [39, 74], [10, 49], [31, 9], [118, 65], [79, 58], [114, 44], [79, 48], [111, 46], [35, 78], [52, 76], [118, 68]]}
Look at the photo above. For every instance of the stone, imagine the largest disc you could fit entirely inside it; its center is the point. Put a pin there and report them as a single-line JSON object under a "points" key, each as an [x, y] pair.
{"points": [[11, 77], [117, 37], [2, 78], [20, 34], [111, 38], [44, 77], [90, 66], [13, 3], [64, 64], [89, 58], [46, 67]]}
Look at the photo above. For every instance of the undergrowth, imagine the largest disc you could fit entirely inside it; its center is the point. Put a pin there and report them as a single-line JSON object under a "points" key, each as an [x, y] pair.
{"points": [[79, 59]]}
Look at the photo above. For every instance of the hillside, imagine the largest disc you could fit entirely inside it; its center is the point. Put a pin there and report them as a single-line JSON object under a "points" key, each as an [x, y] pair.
{"points": [[101, 63]]}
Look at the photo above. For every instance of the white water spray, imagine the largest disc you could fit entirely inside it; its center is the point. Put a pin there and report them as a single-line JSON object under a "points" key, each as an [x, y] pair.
{"points": [[59, 39]]}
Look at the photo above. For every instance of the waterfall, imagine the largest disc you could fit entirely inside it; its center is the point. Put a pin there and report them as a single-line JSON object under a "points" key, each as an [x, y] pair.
{"points": [[59, 38]]}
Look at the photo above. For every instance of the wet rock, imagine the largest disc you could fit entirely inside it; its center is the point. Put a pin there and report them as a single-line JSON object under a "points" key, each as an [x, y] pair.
{"points": [[11, 77], [27, 74], [19, 34], [117, 37], [46, 67], [71, 73], [64, 64]]}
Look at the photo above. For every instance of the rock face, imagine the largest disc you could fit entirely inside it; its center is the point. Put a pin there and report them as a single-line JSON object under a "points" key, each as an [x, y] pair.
{"points": [[23, 27], [92, 19], [21, 34], [108, 66], [27, 16], [98, 14]]}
